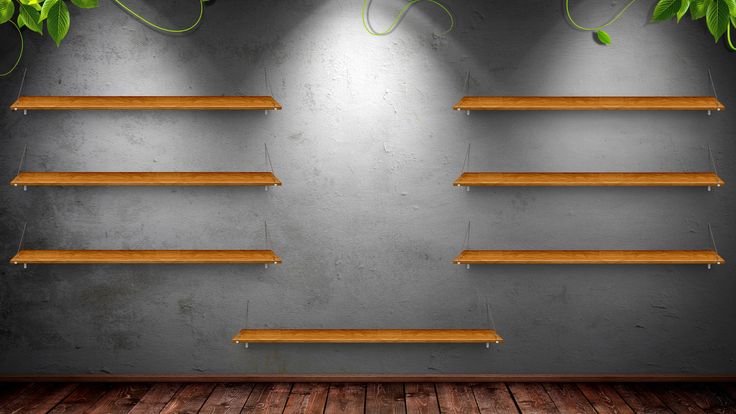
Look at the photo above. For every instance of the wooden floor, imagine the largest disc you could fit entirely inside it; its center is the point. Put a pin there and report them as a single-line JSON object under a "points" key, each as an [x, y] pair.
{"points": [[213, 398]]}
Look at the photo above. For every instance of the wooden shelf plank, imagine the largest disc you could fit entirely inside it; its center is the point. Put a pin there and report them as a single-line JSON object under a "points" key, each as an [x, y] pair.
{"points": [[145, 257], [233, 103], [367, 336], [588, 179], [589, 103], [145, 179], [588, 257]]}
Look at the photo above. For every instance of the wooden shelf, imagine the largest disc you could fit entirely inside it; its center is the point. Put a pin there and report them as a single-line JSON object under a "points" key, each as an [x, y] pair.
{"points": [[583, 179], [589, 103], [145, 257], [145, 179], [707, 257], [234, 103], [367, 336]]}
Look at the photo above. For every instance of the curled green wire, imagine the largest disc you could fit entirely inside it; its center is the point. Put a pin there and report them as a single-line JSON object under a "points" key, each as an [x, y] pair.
{"points": [[401, 14], [20, 55], [163, 29], [595, 29], [728, 37]]}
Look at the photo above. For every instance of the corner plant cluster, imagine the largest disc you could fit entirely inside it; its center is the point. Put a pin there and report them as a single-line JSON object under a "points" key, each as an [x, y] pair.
{"points": [[34, 13]]}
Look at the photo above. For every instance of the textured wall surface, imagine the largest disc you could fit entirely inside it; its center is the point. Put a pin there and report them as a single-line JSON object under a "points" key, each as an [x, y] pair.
{"points": [[367, 221]]}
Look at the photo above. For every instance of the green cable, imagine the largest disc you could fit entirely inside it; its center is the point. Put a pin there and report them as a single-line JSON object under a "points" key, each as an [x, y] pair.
{"points": [[400, 15], [610, 22], [20, 55], [163, 29]]}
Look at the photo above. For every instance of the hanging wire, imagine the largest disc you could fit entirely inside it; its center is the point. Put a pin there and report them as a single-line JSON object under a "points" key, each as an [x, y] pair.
{"points": [[466, 163], [22, 235], [490, 316], [712, 84], [20, 54], [369, 29], [247, 306], [163, 29], [712, 239], [712, 160], [268, 237], [22, 158], [22, 82], [268, 156], [593, 29], [466, 242]]}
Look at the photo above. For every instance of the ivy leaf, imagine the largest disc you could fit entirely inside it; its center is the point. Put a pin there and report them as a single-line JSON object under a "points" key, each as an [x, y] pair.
{"points": [[7, 9], [683, 9], [28, 16], [717, 18], [665, 9], [603, 37], [57, 22], [47, 5], [86, 4], [697, 9]]}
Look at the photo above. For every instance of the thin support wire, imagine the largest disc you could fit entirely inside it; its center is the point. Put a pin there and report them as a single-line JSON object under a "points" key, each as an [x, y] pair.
{"points": [[22, 81], [268, 237], [466, 87], [489, 315], [247, 306], [712, 84], [712, 239], [466, 242], [712, 160], [22, 235], [268, 83], [466, 162], [22, 159], [268, 156]]}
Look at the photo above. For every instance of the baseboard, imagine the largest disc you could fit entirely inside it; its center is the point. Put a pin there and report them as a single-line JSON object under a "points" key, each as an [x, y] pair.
{"points": [[371, 378]]}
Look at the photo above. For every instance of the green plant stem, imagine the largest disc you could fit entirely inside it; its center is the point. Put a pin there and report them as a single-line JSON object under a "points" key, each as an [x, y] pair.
{"points": [[163, 29], [401, 14], [20, 55], [728, 38], [610, 22]]}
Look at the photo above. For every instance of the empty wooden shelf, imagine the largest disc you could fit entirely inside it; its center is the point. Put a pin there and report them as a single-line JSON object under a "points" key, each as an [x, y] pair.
{"points": [[145, 179], [145, 257], [367, 336], [706, 257], [570, 179], [220, 103], [589, 103]]}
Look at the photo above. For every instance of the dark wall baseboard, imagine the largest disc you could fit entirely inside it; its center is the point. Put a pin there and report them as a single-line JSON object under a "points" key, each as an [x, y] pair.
{"points": [[372, 378]]}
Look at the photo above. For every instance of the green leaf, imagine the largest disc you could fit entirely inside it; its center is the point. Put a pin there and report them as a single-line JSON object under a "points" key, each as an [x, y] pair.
{"points": [[697, 8], [7, 9], [731, 6], [86, 4], [665, 9], [685, 4], [47, 5], [57, 22], [603, 37], [717, 18], [29, 17]]}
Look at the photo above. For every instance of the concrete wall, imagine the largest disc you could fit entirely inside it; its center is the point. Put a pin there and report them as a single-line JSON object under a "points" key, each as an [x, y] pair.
{"points": [[367, 221]]}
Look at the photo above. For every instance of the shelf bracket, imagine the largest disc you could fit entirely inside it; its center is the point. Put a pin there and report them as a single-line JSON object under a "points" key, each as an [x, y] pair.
{"points": [[20, 244], [713, 242], [20, 90], [713, 88]]}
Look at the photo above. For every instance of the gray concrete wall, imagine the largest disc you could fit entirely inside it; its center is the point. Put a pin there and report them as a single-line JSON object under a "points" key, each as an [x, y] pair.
{"points": [[367, 221]]}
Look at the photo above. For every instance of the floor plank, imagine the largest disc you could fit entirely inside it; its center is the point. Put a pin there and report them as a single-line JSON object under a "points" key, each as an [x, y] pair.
{"points": [[385, 398], [227, 398], [345, 398], [709, 398], [494, 397], [156, 398], [531, 398], [729, 388], [189, 399], [82, 398], [38, 398], [10, 391], [421, 398], [268, 398], [641, 399], [604, 398], [120, 399], [456, 398], [675, 399], [307, 398], [568, 398]]}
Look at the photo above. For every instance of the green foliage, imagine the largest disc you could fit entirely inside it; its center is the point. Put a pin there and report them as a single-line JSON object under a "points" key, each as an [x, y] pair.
{"points": [[33, 14], [603, 37], [719, 14]]}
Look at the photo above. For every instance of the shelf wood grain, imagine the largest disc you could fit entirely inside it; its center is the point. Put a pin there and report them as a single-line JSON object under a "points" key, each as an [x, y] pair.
{"points": [[145, 257], [145, 179], [365, 336], [588, 179], [469, 257], [214, 103], [588, 103]]}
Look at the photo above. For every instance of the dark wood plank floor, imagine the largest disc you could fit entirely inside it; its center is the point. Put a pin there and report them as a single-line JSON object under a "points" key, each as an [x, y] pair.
{"points": [[317, 398]]}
